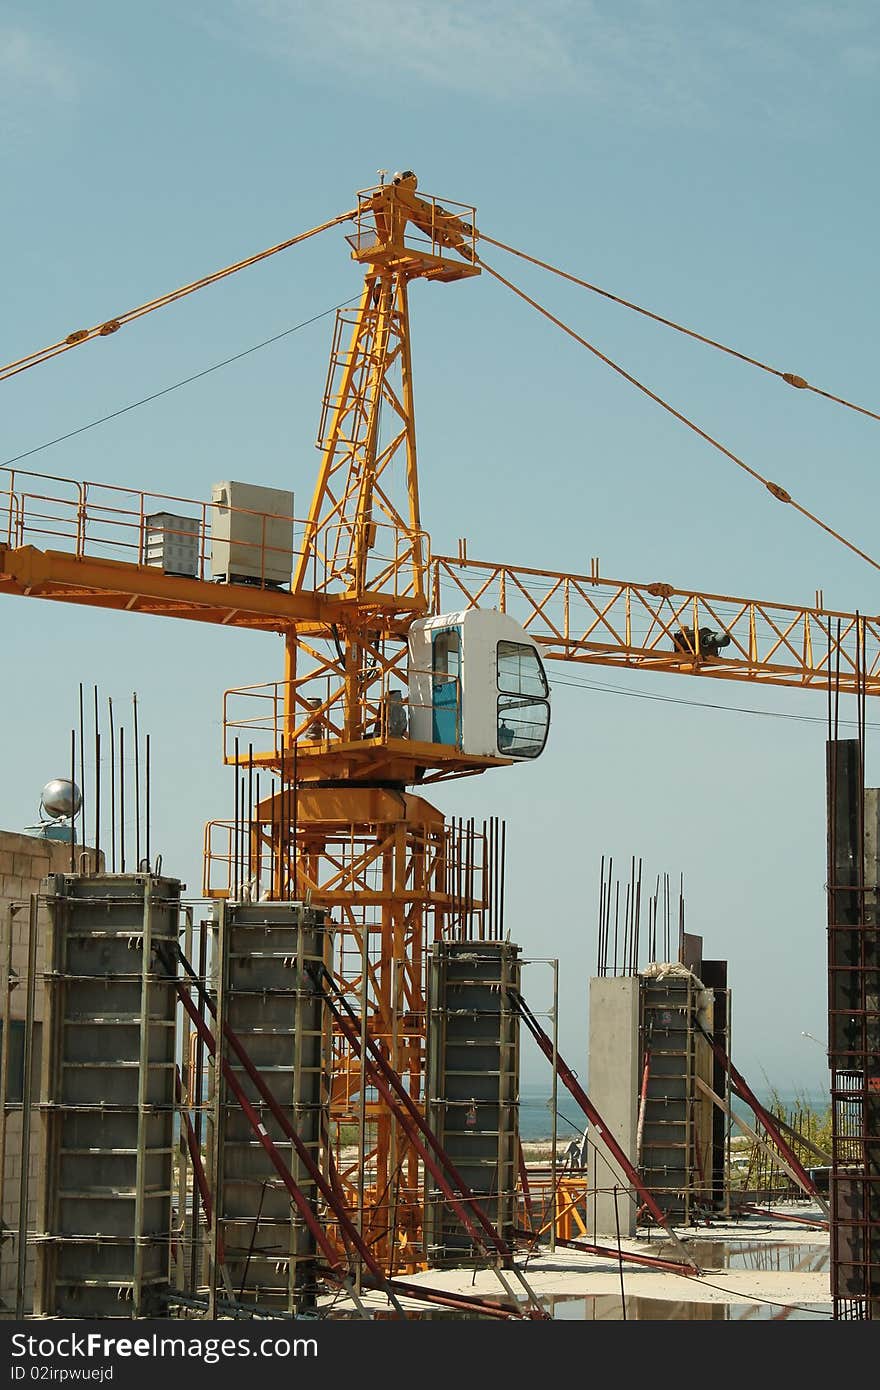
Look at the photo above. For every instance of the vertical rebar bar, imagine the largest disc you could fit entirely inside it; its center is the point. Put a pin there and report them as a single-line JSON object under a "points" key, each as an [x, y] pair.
{"points": [[294, 817], [235, 829], [250, 821], [681, 920], [503, 869], [667, 944], [601, 906], [147, 795], [97, 784], [554, 965], [837, 681], [624, 965], [470, 876], [638, 915], [72, 801], [82, 769], [122, 798], [112, 788], [282, 869], [484, 889], [137, 784], [829, 680], [258, 868], [496, 869], [97, 802], [456, 849], [632, 916]]}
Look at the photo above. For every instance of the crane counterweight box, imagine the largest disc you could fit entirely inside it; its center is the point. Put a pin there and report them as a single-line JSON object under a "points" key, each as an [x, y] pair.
{"points": [[251, 534]]}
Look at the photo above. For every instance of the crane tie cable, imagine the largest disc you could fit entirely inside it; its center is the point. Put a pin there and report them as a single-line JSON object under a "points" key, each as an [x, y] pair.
{"points": [[112, 325], [774, 489], [791, 378]]}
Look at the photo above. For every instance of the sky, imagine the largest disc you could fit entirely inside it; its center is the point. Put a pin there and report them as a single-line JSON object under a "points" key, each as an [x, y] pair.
{"points": [[716, 166]]}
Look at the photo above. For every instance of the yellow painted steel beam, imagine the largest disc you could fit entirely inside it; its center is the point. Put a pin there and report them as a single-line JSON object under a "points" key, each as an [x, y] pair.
{"points": [[379, 760], [84, 580], [652, 627]]}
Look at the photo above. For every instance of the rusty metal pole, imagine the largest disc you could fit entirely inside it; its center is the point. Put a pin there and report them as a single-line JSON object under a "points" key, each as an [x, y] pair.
{"points": [[554, 966]]}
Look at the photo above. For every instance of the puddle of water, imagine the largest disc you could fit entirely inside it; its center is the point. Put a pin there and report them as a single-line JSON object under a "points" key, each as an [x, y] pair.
{"points": [[784, 1257], [608, 1308]]}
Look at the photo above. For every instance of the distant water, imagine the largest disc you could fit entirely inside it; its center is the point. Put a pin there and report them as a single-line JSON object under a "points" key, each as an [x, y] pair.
{"points": [[535, 1116]]}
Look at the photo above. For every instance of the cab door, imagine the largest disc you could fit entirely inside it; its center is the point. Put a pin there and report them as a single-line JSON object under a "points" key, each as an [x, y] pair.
{"points": [[446, 686]]}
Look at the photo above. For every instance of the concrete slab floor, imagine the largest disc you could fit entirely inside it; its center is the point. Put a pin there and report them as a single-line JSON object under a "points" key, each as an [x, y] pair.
{"points": [[753, 1266]]}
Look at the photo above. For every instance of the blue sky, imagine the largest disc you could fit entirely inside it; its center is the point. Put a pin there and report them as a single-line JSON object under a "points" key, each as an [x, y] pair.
{"points": [[714, 165]]}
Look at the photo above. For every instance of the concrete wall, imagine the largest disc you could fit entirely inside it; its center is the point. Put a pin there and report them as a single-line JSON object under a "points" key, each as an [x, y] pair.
{"points": [[24, 863], [614, 1090]]}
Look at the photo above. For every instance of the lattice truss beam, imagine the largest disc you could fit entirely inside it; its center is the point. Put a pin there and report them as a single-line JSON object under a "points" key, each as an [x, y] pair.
{"points": [[608, 622]]}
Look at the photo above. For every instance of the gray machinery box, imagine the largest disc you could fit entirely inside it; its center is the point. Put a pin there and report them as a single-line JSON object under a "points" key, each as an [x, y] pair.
{"points": [[251, 533], [171, 543]]}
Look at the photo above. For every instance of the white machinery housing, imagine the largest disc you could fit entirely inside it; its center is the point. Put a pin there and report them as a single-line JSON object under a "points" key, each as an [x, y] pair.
{"points": [[477, 683], [251, 534]]}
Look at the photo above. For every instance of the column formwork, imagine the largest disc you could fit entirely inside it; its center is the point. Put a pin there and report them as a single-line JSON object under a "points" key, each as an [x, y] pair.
{"points": [[107, 1099], [473, 1087], [266, 961]]}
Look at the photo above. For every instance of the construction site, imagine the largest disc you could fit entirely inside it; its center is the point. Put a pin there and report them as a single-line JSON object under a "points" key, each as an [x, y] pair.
{"points": [[295, 1093]]}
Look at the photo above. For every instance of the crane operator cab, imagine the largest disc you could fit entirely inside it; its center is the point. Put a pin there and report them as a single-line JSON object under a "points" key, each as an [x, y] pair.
{"points": [[477, 683]]}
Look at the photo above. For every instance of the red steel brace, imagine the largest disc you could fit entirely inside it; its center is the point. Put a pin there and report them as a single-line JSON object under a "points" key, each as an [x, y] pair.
{"points": [[390, 1287]]}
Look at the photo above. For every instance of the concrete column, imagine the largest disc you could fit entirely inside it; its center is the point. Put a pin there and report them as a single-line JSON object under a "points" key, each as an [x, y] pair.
{"points": [[614, 1090]]}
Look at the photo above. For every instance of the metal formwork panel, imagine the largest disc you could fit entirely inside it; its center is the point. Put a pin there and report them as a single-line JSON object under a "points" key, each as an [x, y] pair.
{"points": [[271, 1003], [107, 1096], [473, 1087], [854, 1031], [677, 1152]]}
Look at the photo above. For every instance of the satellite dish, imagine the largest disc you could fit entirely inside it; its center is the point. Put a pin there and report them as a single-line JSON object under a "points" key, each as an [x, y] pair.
{"points": [[60, 797]]}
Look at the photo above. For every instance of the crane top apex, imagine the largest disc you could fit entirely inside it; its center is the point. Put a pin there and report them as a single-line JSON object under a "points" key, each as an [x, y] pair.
{"points": [[399, 231]]}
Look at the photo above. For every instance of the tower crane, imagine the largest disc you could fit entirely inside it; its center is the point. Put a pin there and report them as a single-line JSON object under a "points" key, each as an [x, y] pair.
{"points": [[402, 667]]}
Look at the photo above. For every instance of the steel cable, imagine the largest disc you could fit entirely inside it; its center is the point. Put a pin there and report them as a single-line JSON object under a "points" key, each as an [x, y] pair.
{"points": [[790, 378], [175, 386], [112, 325], [774, 489]]}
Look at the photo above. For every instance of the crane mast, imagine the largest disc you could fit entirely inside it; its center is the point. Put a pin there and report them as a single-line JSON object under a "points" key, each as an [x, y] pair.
{"points": [[379, 858]]}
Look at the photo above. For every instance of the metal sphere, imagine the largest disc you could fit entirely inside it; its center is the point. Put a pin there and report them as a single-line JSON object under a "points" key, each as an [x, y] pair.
{"points": [[61, 797]]}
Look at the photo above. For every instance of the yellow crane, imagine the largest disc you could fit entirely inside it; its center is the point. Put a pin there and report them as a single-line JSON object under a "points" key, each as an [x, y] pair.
{"points": [[387, 686]]}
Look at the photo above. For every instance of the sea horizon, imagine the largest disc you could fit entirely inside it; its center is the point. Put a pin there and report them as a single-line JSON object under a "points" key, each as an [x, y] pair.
{"points": [[535, 1121]]}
